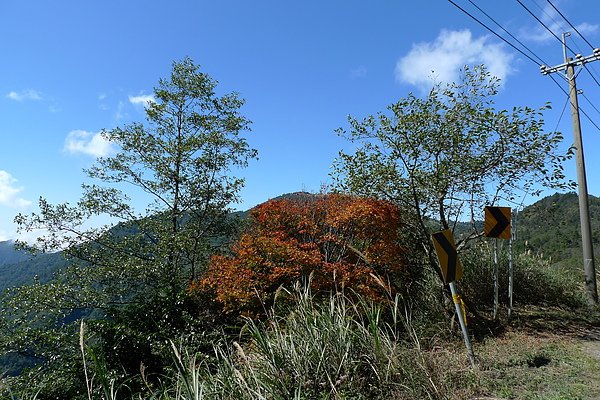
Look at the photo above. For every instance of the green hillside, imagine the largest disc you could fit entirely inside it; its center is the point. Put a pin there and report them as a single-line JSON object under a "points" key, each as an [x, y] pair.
{"points": [[41, 266], [551, 227], [10, 255], [18, 267]]}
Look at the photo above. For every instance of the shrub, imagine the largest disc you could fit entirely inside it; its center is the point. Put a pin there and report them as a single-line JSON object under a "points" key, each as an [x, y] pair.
{"points": [[341, 240], [536, 281]]}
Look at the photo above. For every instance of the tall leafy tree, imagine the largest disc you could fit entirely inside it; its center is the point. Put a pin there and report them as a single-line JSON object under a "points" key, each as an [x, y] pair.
{"points": [[133, 274], [446, 155]]}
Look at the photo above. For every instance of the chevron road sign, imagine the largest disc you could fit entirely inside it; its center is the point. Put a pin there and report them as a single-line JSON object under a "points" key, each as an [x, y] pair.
{"points": [[447, 255], [497, 222]]}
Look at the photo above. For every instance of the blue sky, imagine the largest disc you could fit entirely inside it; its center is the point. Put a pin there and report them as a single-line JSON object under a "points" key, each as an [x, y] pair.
{"points": [[71, 68]]}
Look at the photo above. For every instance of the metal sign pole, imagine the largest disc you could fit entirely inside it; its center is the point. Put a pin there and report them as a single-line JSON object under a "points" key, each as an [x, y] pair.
{"points": [[495, 278], [458, 304], [510, 263]]}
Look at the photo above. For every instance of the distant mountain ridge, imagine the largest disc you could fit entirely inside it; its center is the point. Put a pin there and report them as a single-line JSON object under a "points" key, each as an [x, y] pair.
{"points": [[549, 227], [19, 267], [9, 254]]}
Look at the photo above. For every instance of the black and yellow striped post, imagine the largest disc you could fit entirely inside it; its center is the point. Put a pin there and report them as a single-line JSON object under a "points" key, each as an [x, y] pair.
{"points": [[451, 268], [445, 248]]}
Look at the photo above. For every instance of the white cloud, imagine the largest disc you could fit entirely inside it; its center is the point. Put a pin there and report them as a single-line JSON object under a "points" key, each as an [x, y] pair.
{"points": [[23, 95], [142, 99], [9, 193], [89, 143], [441, 60]]}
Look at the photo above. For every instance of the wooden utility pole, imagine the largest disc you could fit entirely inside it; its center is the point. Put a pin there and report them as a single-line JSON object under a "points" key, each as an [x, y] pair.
{"points": [[584, 213]]}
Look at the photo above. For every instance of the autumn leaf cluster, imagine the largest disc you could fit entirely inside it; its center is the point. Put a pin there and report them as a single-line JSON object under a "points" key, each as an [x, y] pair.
{"points": [[340, 241]]}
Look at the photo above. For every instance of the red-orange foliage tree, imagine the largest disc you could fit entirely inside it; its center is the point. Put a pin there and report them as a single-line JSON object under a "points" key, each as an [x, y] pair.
{"points": [[343, 241]]}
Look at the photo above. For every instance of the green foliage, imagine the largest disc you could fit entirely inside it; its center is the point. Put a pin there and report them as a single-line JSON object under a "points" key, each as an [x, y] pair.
{"points": [[445, 156], [551, 227], [536, 281], [335, 348], [132, 278]]}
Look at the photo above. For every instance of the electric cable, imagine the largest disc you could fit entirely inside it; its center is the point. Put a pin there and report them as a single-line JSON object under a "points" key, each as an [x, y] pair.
{"points": [[589, 101], [576, 30], [524, 54], [489, 29], [553, 34], [592, 75], [579, 108], [543, 24], [507, 32], [570, 24], [562, 113]]}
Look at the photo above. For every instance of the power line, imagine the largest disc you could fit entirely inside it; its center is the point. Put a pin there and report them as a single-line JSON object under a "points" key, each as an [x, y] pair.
{"points": [[575, 29], [570, 24], [564, 44], [542, 23], [519, 50], [580, 109], [592, 75], [507, 32], [492, 31], [589, 101], [562, 113]]}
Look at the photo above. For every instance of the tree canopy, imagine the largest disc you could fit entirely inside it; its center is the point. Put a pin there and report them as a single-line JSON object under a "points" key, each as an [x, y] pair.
{"points": [[179, 162], [445, 156]]}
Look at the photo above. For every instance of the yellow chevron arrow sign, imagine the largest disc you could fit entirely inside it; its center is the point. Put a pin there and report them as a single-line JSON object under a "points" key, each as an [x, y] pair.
{"points": [[445, 248], [497, 222]]}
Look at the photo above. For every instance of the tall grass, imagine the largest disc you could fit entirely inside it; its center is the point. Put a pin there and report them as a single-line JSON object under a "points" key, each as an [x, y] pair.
{"points": [[333, 348], [536, 280]]}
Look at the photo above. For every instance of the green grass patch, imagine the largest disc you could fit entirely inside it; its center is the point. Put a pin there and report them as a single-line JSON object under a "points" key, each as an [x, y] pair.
{"points": [[522, 365]]}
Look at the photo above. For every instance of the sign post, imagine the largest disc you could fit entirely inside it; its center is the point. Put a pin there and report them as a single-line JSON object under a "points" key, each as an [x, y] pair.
{"points": [[451, 268], [495, 278], [497, 225], [513, 236]]}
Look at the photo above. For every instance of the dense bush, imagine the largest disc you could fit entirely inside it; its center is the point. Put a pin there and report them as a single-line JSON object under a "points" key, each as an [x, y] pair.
{"points": [[341, 241], [536, 280]]}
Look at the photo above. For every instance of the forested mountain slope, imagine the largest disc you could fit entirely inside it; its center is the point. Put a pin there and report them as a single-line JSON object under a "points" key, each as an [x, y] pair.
{"points": [[551, 227]]}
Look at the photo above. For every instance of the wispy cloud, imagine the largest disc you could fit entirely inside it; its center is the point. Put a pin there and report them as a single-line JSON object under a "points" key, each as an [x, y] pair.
{"points": [[24, 95], [120, 113], [441, 60], [142, 99], [9, 192], [90, 143], [358, 72], [556, 24]]}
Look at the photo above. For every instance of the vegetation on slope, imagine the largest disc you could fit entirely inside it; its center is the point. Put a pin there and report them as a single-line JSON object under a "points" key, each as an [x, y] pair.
{"points": [[136, 315], [551, 227]]}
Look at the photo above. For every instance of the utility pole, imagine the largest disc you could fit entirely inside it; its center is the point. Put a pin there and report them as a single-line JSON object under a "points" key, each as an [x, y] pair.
{"points": [[584, 213]]}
